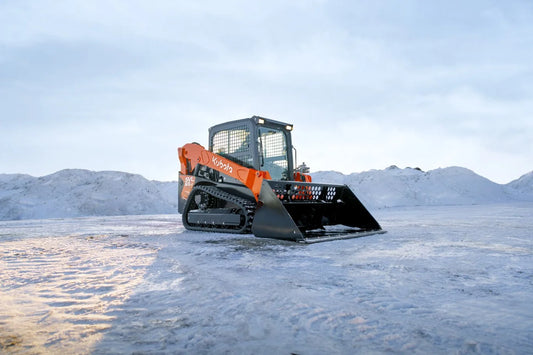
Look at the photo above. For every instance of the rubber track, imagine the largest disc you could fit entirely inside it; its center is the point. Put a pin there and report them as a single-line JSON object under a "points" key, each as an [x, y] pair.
{"points": [[242, 203]]}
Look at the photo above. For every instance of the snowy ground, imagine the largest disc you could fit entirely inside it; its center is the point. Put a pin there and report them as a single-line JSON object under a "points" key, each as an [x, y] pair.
{"points": [[442, 280]]}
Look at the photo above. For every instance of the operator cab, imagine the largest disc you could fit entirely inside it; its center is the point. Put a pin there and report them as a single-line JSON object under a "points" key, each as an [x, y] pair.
{"points": [[256, 142]]}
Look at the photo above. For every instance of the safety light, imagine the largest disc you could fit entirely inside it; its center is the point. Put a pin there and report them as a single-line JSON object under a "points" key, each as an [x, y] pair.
{"points": [[260, 121], [288, 127]]}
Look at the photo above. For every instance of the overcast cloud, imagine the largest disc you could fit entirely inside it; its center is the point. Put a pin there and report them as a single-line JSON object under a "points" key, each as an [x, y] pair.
{"points": [[119, 85]]}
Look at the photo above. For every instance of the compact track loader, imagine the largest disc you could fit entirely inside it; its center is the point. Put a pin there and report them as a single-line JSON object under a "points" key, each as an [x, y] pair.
{"points": [[247, 182]]}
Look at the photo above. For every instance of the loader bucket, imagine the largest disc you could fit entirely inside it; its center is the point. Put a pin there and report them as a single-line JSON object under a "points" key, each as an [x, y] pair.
{"points": [[310, 212]]}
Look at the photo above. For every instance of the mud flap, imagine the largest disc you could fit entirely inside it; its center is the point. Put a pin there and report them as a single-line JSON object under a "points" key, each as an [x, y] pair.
{"points": [[310, 213]]}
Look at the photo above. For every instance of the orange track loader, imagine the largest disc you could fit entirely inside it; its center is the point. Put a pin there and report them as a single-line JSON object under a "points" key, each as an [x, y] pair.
{"points": [[247, 182]]}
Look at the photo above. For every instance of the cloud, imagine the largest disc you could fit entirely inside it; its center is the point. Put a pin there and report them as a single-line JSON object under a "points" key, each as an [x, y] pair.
{"points": [[391, 83]]}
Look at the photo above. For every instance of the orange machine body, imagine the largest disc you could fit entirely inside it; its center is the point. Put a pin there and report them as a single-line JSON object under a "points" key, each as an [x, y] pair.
{"points": [[192, 154]]}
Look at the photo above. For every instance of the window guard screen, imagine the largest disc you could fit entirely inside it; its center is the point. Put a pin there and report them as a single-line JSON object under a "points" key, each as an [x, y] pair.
{"points": [[274, 153], [234, 144]]}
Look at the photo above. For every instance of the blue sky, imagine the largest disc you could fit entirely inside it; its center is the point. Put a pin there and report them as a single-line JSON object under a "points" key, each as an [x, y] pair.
{"points": [[119, 85]]}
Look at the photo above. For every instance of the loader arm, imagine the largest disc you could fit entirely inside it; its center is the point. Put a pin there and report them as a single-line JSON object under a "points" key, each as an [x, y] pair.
{"points": [[192, 154]]}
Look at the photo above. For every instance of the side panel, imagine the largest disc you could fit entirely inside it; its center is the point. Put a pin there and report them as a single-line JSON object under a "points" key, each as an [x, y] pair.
{"points": [[192, 154], [271, 219], [185, 185]]}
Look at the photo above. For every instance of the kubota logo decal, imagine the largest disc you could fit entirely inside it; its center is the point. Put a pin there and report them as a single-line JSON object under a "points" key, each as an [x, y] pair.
{"points": [[222, 165]]}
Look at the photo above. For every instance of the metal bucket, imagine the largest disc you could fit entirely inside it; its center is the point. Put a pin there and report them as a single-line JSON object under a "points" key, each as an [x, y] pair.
{"points": [[310, 212]]}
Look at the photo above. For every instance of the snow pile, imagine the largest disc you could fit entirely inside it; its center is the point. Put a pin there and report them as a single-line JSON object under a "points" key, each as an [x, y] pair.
{"points": [[75, 193], [394, 187], [522, 188]]}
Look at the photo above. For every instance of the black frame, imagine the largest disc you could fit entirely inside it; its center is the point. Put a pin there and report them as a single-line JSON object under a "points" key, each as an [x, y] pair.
{"points": [[253, 124]]}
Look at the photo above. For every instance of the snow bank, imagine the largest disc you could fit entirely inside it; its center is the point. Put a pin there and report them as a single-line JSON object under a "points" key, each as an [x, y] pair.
{"points": [[77, 193], [393, 187], [522, 188]]}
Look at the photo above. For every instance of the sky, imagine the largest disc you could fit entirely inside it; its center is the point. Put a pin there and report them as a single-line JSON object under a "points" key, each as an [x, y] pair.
{"points": [[120, 85]]}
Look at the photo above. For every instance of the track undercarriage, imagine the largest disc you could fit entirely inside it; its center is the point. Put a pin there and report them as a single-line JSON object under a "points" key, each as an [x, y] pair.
{"points": [[212, 209]]}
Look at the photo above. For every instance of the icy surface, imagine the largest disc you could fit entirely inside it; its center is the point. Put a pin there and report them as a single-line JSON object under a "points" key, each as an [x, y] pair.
{"points": [[442, 280]]}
